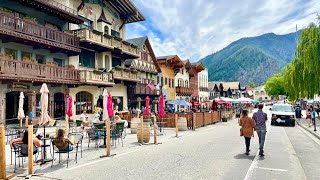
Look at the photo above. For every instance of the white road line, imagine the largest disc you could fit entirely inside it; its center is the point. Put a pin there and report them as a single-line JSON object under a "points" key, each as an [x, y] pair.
{"points": [[254, 163], [272, 169], [103, 159]]}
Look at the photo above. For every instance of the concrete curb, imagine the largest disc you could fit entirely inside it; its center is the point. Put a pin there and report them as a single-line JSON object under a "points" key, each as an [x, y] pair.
{"points": [[307, 129]]}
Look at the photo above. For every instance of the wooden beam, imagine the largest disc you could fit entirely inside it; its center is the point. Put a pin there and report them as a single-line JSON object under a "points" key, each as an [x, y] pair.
{"points": [[2, 153], [30, 148]]}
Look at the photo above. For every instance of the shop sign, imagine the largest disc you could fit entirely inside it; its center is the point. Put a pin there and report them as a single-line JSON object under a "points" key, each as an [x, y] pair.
{"points": [[18, 87]]}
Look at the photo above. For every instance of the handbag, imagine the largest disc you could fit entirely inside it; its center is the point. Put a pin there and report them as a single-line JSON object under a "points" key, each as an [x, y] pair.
{"points": [[241, 129]]}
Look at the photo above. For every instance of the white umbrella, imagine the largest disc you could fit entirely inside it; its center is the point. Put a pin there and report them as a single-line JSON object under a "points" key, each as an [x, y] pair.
{"points": [[228, 99], [105, 102], [21, 114], [243, 99], [44, 117]]}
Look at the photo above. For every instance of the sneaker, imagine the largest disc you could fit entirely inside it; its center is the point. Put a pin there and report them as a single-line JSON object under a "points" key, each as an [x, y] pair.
{"points": [[247, 153], [261, 154]]}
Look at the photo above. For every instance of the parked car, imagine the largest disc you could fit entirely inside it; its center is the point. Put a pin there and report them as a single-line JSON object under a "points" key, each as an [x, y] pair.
{"points": [[282, 114]]}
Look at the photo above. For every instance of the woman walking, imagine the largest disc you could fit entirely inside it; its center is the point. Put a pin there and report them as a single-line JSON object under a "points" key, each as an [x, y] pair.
{"points": [[309, 116], [247, 127]]}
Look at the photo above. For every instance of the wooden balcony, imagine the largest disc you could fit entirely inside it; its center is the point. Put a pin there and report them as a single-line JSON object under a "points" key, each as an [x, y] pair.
{"points": [[96, 40], [143, 89], [55, 9], [30, 33], [121, 73], [89, 77], [26, 71], [183, 91]]}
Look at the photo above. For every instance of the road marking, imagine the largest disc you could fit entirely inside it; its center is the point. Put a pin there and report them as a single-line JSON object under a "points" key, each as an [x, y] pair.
{"points": [[272, 169], [103, 159], [254, 163]]}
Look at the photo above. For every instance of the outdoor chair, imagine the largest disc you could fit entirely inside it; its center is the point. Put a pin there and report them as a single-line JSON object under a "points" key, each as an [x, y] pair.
{"points": [[21, 152], [78, 144], [117, 133], [95, 134]]}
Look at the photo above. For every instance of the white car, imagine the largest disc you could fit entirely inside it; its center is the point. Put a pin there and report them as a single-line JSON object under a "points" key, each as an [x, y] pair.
{"points": [[282, 114]]}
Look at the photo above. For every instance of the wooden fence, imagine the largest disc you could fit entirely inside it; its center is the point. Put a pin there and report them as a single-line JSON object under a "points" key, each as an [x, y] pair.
{"points": [[202, 118]]}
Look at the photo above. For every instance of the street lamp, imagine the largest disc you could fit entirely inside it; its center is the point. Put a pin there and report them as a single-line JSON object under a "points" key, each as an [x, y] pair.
{"points": [[139, 102]]}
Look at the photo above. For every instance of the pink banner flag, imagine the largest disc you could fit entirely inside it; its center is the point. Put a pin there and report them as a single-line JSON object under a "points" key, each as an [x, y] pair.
{"points": [[151, 86]]}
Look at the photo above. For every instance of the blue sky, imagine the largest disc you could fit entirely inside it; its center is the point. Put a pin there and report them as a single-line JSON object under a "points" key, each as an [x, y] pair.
{"points": [[193, 29]]}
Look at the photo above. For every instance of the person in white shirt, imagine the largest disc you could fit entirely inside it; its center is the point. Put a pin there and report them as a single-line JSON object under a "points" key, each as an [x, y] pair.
{"points": [[84, 119]]}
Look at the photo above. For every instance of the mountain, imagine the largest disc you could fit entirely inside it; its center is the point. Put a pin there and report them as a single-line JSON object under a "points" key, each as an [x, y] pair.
{"points": [[253, 59]]}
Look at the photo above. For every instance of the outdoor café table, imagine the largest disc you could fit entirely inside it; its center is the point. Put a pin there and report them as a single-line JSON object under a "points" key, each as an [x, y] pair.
{"points": [[44, 145], [161, 125], [105, 134]]}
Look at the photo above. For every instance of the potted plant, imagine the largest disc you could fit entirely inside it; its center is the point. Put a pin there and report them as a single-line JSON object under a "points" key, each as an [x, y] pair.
{"points": [[6, 11], [224, 117], [118, 67], [70, 66], [67, 31], [97, 72], [30, 19], [51, 63]]}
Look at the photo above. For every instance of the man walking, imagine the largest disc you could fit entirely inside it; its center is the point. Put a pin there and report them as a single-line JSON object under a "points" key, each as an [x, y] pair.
{"points": [[260, 118]]}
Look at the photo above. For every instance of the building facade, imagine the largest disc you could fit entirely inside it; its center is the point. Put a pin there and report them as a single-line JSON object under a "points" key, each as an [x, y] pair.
{"points": [[148, 68], [182, 82], [77, 47], [260, 94], [170, 66], [203, 85]]}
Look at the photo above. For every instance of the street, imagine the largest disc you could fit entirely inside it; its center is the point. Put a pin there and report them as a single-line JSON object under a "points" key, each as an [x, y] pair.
{"points": [[212, 152]]}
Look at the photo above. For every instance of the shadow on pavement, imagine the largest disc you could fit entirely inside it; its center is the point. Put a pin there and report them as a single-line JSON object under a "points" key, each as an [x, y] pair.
{"points": [[244, 156]]}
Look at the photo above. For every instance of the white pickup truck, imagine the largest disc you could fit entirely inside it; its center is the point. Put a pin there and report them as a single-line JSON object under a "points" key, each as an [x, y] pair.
{"points": [[282, 114]]}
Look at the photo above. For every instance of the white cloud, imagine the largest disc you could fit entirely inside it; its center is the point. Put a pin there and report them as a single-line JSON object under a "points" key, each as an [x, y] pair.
{"points": [[193, 29]]}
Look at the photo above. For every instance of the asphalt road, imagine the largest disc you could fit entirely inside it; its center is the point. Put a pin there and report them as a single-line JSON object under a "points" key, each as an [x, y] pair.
{"points": [[213, 152]]}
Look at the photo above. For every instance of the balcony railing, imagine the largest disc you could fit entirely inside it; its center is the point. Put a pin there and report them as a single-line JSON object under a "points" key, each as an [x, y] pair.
{"points": [[107, 41], [125, 74], [28, 30], [184, 90], [26, 71], [59, 6], [90, 77], [206, 89], [144, 89]]}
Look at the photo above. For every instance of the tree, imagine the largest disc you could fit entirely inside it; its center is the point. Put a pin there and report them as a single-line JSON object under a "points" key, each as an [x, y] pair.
{"points": [[275, 85], [252, 85], [302, 76]]}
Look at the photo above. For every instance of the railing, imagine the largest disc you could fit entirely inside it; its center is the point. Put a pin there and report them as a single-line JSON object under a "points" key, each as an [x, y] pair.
{"points": [[125, 74], [59, 5], [107, 41], [204, 89], [12, 23], [14, 69], [184, 90], [144, 89], [94, 78]]}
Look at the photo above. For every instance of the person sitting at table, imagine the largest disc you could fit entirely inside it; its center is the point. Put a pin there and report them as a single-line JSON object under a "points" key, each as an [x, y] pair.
{"points": [[62, 142], [96, 119], [84, 119], [24, 140]]}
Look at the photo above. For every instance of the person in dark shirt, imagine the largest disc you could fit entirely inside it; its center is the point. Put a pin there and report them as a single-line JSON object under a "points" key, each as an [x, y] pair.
{"points": [[260, 119]]}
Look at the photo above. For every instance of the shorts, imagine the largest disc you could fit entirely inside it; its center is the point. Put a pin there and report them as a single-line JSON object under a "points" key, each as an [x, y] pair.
{"points": [[308, 116], [68, 148]]}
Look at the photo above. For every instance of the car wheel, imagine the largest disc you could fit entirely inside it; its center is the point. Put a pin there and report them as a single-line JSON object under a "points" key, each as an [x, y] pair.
{"points": [[272, 123], [293, 124]]}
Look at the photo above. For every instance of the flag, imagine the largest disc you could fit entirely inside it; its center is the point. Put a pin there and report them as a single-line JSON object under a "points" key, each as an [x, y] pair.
{"points": [[80, 7], [151, 86], [165, 87]]}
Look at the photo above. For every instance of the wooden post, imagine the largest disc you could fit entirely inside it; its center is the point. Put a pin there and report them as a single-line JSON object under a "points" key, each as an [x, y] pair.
{"points": [[141, 129], [30, 149], [2, 153], [27, 121], [194, 121], [155, 130], [67, 124], [176, 121], [108, 137]]}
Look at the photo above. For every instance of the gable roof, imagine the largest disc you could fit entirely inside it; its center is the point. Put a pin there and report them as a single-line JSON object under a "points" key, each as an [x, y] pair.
{"points": [[189, 68], [139, 42], [103, 18], [198, 66], [173, 61], [231, 85]]}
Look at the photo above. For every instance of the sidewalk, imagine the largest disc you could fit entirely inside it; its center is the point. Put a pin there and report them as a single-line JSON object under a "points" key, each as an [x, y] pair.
{"points": [[304, 124], [92, 155]]}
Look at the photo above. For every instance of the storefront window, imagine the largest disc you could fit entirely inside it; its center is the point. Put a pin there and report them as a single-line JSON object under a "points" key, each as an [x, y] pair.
{"points": [[84, 102]]}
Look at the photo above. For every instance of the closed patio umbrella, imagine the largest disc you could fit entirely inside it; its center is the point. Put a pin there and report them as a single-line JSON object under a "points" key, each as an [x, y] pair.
{"points": [[44, 117], [109, 106], [147, 110], [105, 105], [69, 107], [21, 114], [161, 106]]}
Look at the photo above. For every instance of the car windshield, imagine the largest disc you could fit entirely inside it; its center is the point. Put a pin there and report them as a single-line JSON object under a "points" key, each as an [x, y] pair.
{"points": [[282, 108]]}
